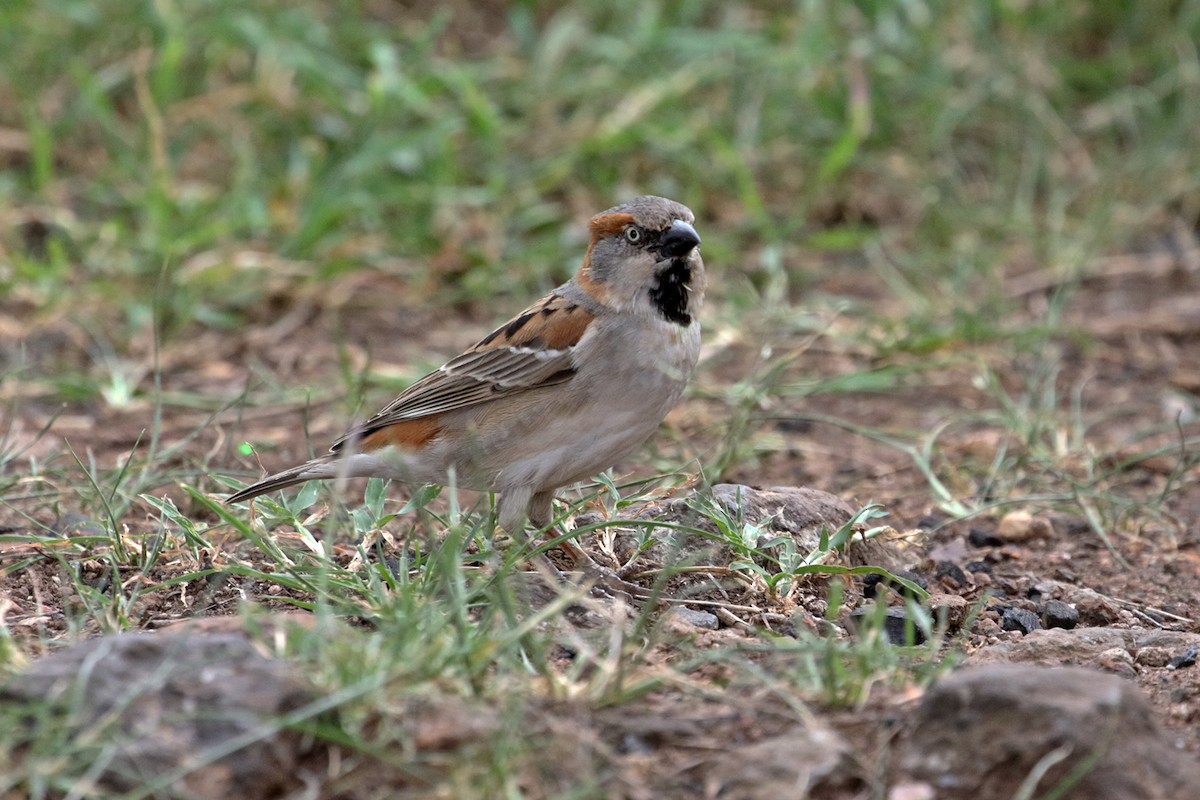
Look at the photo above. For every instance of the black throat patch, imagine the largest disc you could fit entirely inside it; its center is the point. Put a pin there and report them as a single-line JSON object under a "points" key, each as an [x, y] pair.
{"points": [[670, 293]]}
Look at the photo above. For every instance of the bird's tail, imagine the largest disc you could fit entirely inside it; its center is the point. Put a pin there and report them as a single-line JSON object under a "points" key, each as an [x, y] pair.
{"points": [[313, 470]]}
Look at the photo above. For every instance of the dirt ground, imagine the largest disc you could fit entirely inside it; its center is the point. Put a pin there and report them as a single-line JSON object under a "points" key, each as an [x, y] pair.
{"points": [[1131, 369]]}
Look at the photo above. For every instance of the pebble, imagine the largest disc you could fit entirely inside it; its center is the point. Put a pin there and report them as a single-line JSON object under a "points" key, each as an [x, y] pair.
{"points": [[951, 575], [1057, 614], [1021, 526], [1019, 619], [1116, 660], [1096, 612], [697, 619], [1185, 659], [980, 537], [952, 607], [894, 624], [1153, 656], [872, 582]]}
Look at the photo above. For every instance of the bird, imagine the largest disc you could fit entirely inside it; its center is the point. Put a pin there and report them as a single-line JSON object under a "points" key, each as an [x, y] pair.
{"points": [[561, 392]]}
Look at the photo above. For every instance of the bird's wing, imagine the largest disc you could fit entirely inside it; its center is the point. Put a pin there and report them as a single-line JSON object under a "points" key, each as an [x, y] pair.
{"points": [[532, 350]]}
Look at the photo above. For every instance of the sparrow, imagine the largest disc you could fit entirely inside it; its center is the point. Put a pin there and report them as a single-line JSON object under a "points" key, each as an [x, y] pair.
{"points": [[564, 390]]}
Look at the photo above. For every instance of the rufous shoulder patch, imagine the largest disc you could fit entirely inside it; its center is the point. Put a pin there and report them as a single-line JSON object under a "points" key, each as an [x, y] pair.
{"points": [[407, 434], [555, 323]]}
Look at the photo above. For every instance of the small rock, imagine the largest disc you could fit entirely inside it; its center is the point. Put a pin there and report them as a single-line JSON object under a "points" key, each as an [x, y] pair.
{"points": [[987, 627], [632, 744], [1066, 575], [1041, 589], [1057, 614], [872, 582], [1116, 660], [896, 624], [797, 510], [950, 607], [979, 537], [1185, 659], [771, 526], [950, 575], [588, 518], [979, 567], [1021, 526], [696, 619], [1019, 619], [1153, 657], [1095, 611], [778, 513]]}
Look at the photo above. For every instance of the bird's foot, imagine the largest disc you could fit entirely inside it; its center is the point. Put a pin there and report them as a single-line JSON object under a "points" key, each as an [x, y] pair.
{"points": [[603, 577]]}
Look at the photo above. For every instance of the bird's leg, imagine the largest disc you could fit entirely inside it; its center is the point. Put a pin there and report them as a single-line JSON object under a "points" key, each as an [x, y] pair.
{"points": [[513, 511], [540, 512]]}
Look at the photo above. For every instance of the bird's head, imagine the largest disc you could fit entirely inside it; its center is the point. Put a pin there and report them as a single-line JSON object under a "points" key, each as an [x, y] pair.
{"points": [[645, 256]]}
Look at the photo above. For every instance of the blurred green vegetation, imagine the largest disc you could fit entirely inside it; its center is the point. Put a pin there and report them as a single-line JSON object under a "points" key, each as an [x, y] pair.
{"points": [[204, 144]]}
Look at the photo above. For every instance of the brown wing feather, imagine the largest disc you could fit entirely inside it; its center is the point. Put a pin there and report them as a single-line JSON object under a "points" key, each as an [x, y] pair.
{"points": [[532, 350]]}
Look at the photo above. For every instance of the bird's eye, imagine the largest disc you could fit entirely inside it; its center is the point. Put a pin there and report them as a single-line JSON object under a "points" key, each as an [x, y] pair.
{"points": [[633, 234]]}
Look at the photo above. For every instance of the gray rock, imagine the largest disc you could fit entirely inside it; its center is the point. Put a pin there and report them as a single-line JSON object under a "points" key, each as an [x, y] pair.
{"points": [[1079, 646], [982, 733], [795, 510], [201, 707], [698, 619]]}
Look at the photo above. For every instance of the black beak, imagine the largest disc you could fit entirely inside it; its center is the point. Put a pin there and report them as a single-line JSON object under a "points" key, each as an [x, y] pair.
{"points": [[679, 240]]}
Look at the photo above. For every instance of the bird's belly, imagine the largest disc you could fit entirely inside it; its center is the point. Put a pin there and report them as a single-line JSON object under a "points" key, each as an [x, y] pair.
{"points": [[567, 437], [575, 448]]}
